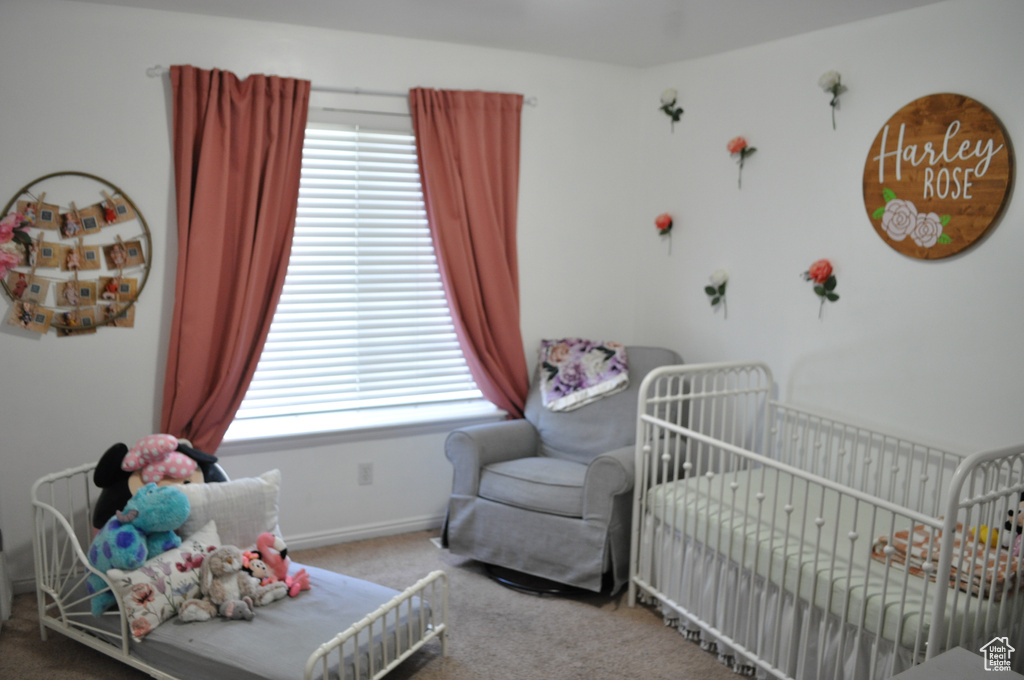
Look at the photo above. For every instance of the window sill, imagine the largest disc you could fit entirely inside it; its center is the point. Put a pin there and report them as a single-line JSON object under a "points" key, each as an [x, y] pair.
{"points": [[269, 434]]}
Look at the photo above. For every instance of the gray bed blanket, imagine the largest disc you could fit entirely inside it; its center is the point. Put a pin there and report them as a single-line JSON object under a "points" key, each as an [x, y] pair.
{"points": [[277, 642]]}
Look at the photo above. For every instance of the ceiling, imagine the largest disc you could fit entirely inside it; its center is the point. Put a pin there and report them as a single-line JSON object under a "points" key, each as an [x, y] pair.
{"points": [[636, 33]]}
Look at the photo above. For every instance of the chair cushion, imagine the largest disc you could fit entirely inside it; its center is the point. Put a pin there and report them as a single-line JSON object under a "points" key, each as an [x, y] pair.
{"points": [[548, 485]]}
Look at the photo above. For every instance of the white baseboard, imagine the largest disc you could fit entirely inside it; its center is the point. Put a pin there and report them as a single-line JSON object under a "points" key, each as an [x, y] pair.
{"points": [[320, 539]]}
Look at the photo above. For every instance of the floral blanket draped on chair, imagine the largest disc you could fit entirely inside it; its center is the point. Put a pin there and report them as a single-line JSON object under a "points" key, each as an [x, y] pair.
{"points": [[575, 372]]}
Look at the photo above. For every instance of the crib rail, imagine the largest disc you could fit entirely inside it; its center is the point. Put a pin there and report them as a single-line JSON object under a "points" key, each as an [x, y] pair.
{"points": [[986, 490], [913, 475], [752, 518], [425, 604]]}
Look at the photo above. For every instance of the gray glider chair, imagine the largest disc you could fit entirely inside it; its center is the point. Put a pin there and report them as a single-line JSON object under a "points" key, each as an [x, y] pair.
{"points": [[550, 496]]}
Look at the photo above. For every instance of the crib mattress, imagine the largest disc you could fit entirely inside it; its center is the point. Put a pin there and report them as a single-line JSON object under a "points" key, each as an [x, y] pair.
{"points": [[791, 549], [290, 629]]}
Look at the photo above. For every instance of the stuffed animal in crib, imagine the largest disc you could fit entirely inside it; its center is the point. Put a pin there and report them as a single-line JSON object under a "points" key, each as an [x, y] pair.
{"points": [[159, 458], [227, 590], [144, 529], [1015, 526], [274, 553]]}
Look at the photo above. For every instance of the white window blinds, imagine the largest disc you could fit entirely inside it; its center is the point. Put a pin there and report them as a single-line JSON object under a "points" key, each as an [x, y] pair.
{"points": [[363, 322]]}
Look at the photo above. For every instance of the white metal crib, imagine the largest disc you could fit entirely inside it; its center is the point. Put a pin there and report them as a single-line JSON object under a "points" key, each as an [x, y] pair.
{"points": [[799, 546]]}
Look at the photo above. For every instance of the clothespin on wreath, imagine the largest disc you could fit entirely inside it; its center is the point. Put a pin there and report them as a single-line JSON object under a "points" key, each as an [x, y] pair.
{"points": [[38, 207]]}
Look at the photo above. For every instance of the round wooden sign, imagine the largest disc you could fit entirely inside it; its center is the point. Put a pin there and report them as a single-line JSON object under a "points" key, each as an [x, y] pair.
{"points": [[938, 175]]}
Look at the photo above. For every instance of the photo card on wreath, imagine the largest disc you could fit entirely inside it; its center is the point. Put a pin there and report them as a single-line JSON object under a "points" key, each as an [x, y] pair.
{"points": [[115, 210], [124, 254], [76, 293], [79, 258], [77, 322], [71, 225], [125, 320], [31, 316], [44, 254], [81, 222], [117, 288], [26, 287], [39, 214]]}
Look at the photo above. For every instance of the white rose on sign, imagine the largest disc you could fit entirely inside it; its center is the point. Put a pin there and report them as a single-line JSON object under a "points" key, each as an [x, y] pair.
{"points": [[927, 230], [900, 218]]}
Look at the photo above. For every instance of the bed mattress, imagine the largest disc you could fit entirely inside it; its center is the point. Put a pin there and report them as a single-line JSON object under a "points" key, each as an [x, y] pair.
{"points": [[292, 628], [789, 537]]}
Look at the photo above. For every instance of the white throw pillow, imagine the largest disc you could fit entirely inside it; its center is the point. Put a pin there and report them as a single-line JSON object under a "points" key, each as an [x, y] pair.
{"points": [[243, 508]]}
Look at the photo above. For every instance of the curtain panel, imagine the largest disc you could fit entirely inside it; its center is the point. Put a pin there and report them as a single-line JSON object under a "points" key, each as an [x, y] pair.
{"points": [[237, 160], [468, 151]]}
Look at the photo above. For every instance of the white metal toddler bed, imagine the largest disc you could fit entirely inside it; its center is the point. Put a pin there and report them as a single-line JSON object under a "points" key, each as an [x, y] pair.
{"points": [[799, 546], [379, 627]]}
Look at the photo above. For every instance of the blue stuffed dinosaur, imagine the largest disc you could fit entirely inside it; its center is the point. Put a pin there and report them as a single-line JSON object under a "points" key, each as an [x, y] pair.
{"points": [[145, 528]]}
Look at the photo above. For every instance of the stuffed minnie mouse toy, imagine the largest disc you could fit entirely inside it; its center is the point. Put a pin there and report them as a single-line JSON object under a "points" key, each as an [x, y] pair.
{"points": [[158, 458]]}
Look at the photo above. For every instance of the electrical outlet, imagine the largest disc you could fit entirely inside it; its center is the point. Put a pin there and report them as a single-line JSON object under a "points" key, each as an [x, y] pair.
{"points": [[365, 474]]}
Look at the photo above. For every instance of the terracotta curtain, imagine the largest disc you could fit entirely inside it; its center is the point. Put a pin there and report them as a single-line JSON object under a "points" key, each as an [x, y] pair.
{"points": [[468, 149], [237, 159]]}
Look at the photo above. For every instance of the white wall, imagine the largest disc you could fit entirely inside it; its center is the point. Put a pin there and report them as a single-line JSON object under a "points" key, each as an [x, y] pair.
{"points": [[930, 348], [76, 97]]}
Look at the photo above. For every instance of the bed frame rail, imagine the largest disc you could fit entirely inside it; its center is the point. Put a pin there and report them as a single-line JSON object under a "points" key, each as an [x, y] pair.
{"points": [[62, 505], [426, 614], [62, 509]]}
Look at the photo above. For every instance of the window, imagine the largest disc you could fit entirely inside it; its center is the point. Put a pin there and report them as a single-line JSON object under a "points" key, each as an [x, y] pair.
{"points": [[362, 335]]}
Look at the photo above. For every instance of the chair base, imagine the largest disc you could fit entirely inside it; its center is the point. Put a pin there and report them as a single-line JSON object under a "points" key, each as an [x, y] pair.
{"points": [[525, 583]]}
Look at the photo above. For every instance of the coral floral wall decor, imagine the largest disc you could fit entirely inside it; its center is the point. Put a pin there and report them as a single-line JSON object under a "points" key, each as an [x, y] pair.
{"points": [[739, 147], [820, 273], [937, 176], [663, 223]]}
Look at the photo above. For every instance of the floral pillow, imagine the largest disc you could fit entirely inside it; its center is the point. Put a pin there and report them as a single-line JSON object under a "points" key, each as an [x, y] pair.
{"points": [[153, 593]]}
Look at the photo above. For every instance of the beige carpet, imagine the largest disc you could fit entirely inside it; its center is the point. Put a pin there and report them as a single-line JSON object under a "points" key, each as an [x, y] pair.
{"points": [[496, 632]]}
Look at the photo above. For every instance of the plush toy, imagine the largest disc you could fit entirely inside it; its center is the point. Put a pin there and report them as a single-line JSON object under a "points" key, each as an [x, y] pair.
{"points": [[257, 568], [144, 529], [120, 471], [273, 552], [227, 590], [1015, 526]]}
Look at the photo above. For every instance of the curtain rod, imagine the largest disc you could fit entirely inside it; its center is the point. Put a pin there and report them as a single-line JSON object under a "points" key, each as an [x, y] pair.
{"points": [[157, 71]]}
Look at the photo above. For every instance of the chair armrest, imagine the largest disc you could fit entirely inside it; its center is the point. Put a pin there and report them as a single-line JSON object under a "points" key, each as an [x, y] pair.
{"points": [[608, 475], [471, 448]]}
